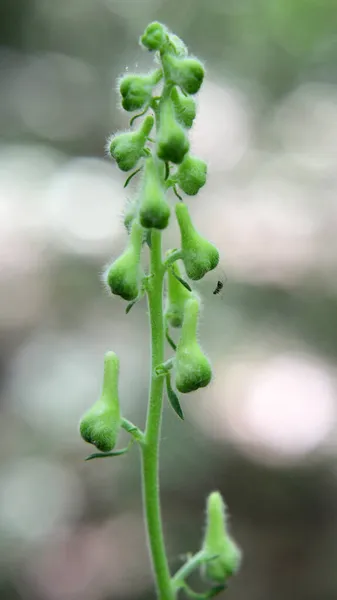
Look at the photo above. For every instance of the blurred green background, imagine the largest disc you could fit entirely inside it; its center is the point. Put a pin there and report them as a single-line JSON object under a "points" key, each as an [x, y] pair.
{"points": [[264, 432]]}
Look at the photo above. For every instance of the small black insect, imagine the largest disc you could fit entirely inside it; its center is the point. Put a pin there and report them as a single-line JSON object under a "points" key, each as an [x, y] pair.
{"points": [[218, 288]]}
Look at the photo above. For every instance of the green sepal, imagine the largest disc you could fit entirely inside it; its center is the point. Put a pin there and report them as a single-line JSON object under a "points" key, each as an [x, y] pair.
{"points": [[191, 175], [192, 368], [218, 544], [154, 36], [101, 424], [187, 73], [154, 210], [172, 142], [185, 108], [173, 398], [136, 90], [199, 255], [127, 148], [124, 275], [178, 292]]}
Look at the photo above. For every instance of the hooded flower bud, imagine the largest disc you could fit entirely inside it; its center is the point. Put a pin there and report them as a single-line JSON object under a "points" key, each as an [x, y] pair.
{"points": [[136, 90], [199, 255], [192, 368], [188, 73], [184, 107], [172, 143], [154, 210], [177, 297], [191, 175], [217, 543], [101, 423], [127, 148], [154, 36], [125, 273]]}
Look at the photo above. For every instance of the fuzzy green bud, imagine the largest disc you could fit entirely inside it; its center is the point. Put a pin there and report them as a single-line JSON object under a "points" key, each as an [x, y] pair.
{"points": [[127, 148], [187, 73], [124, 275], [136, 90], [154, 210], [154, 36], [100, 425], [185, 108], [217, 543], [191, 175], [192, 367], [199, 255], [177, 296], [172, 143]]}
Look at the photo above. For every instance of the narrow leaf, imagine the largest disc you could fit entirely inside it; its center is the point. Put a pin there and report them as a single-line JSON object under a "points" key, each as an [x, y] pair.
{"points": [[131, 176], [107, 454], [130, 305], [177, 193], [173, 398], [139, 115], [182, 281], [170, 340]]}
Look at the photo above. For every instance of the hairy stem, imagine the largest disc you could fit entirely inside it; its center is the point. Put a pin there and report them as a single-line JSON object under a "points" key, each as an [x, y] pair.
{"points": [[150, 449]]}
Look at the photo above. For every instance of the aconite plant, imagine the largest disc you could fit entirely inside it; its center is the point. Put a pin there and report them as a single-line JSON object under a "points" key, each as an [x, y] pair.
{"points": [[159, 151]]}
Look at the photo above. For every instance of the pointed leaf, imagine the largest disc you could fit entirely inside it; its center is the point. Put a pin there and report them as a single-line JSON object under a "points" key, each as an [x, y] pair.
{"points": [[177, 193], [173, 398], [182, 281], [130, 305], [170, 340], [107, 454], [131, 176]]}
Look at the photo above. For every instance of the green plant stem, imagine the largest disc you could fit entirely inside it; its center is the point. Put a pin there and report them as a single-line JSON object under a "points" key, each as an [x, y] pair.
{"points": [[150, 449], [193, 563]]}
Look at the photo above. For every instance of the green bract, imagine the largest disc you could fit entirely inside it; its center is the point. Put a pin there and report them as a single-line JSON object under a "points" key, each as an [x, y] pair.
{"points": [[192, 367], [217, 543], [154, 210], [128, 148], [191, 175], [187, 73], [136, 90], [172, 143], [199, 255], [177, 296], [154, 36], [100, 425], [185, 108], [125, 274]]}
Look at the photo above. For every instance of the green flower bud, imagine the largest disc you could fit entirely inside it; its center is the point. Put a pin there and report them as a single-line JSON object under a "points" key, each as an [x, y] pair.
{"points": [[154, 36], [185, 108], [177, 297], [127, 148], [172, 143], [188, 73], [217, 543], [191, 175], [199, 255], [125, 274], [101, 423], [154, 210], [192, 368], [136, 90]]}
